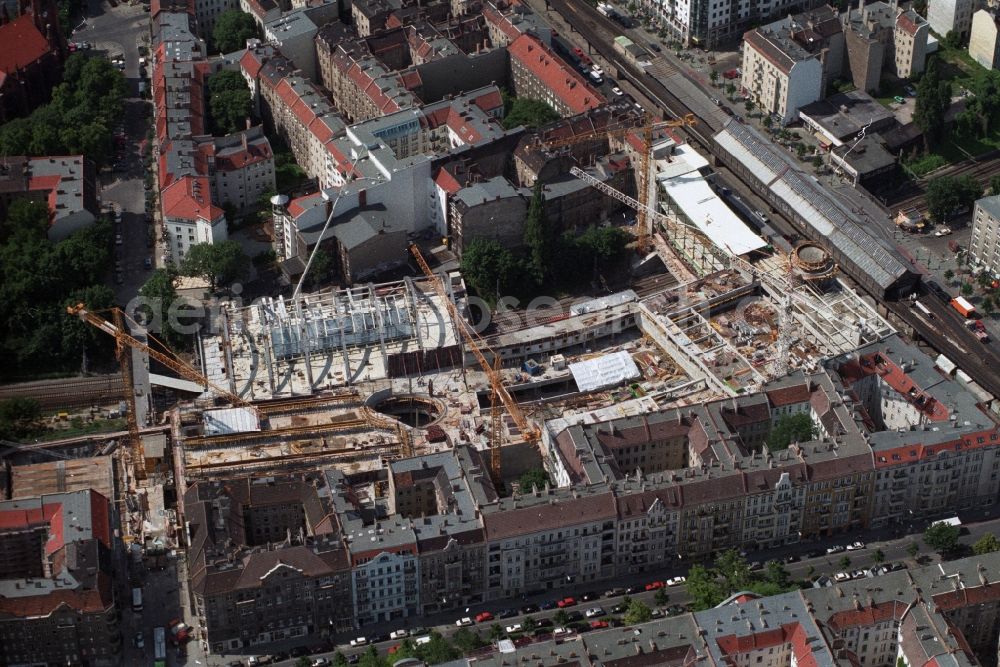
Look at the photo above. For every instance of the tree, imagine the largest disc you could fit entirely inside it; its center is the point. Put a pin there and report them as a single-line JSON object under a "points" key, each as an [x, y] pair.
{"points": [[995, 185], [967, 289], [989, 306], [216, 262], [466, 640], [703, 588], [983, 106], [714, 76], [437, 650], [878, 557], [734, 570], [817, 162], [601, 247], [637, 613], [800, 149], [490, 268], [953, 40], [913, 549], [529, 623], [750, 105], [845, 562], [986, 544], [933, 100], [529, 113], [949, 274], [942, 537], [496, 632], [536, 478], [538, 236], [229, 101], [232, 30], [303, 662], [160, 292], [730, 90], [661, 597], [19, 417], [768, 122], [371, 658], [561, 618], [791, 428]]}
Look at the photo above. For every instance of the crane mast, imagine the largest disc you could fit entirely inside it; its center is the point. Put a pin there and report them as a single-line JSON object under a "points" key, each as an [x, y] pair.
{"points": [[479, 349]]}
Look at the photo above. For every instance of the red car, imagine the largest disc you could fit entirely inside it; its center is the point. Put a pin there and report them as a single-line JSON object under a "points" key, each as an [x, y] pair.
{"points": [[654, 586], [598, 625], [483, 617], [566, 602]]}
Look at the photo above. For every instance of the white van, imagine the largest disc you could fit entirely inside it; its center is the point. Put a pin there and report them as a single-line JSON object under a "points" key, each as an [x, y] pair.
{"points": [[136, 599]]}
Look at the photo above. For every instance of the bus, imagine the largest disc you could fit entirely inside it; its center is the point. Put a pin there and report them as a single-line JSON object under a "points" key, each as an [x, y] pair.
{"points": [[160, 644]]}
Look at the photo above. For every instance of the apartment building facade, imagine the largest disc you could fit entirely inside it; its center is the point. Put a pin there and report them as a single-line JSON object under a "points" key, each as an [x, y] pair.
{"points": [[984, 39], [779, 74], [945, 16], [984, 248], [538, 73]]}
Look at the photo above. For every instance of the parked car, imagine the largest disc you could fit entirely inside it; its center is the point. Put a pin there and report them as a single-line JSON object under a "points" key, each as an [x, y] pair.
{"points": [[565, 602], [359, 641], [814, 553], [399, 634], [654, 585], [836, 549], [464, 622], [506, 613], [792, 558], [321, 662], [590, 596], [616, 91], [529, 609], [559, 632], [148, 262], [656, 47], [943, 231], [139, 640], [483, 617], [855, 546], [676, 581], [516, 627], [614, 592], [619, 609], [598, 625], [842, 576], [594, 612]]}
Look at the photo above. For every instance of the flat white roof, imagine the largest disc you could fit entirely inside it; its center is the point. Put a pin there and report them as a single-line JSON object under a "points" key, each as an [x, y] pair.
{"points": [[692, 194], [608, 370], [230, 420]]}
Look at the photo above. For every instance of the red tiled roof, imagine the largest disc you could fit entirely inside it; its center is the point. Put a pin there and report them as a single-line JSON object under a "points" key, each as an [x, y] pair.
{"points": [[447, 182], [21, 43], [297, 207], [82, 600], [189, 198], [565, 512], [771, 51], [880, 364], [250, 63], [876, 613], [782, 396], [907, 23], [551, 71]]}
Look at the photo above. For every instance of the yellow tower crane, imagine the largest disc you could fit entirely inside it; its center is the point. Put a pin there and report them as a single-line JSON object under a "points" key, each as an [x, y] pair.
{"points": [[643, 178], [480, 348]]}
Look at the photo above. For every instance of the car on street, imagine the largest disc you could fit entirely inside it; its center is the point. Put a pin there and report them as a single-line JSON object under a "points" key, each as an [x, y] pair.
{"points": [[842, 577], [598, 625], [354, 658], [654, 585], [594, 612], [944, 231], [855, 546], [148, 263], [565, 602], [614, 592], [835, 549], [792, 558], [361, 641], [399, 634], [814, 553], [464, 622], [559, 632], [619, 609], [590, 596], [548, 604], [506, 613], [529, 609], [598, 70], [676, 581], [632, 590], [139, 640], [299, 652], [656, 47], [516, 627], [483, 617], [321, 662]]}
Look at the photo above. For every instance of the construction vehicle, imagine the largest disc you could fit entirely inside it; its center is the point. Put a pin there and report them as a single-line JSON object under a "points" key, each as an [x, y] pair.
{"points": [[124, 344], [489, 361], [645, 184]]}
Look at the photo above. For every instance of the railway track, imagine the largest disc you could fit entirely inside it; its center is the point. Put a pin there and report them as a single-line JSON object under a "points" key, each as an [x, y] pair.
{"points": [[981, 169], [68, 393]]}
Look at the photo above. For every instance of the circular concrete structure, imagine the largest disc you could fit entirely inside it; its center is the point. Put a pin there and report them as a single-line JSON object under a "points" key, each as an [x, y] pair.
{"points": [[418, 411], [813, 262]]}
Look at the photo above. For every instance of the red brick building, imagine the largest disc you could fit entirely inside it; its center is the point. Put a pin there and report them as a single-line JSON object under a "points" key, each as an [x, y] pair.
{"points": [[31, 56]]}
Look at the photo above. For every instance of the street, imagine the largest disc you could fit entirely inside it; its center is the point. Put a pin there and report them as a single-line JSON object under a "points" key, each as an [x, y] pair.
{"points": [[113, 32], [894, 548]]}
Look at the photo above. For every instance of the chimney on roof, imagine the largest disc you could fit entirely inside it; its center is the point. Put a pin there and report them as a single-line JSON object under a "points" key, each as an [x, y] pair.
{"points": [[244, 137]]}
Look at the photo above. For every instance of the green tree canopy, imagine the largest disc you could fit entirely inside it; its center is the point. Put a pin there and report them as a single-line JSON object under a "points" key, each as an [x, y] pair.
{"points": [[216, 262], [229, 101], [933, 100], [232, 30], [986, 544], [791, 428], [39, 279], [636, 613], [536, 478], [731, 574], [704, 588], [529, 113], [489, 267], [19, 417], [538, 236], [947, 194], [942, 537]]}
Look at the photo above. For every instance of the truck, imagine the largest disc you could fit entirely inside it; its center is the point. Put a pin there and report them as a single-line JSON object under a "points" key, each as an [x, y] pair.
{"points": [[137, 599], [180, 632], [962, 305], [979, 329], [159, 643]]}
